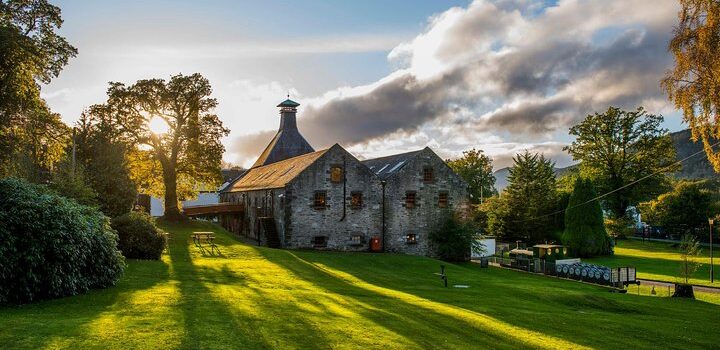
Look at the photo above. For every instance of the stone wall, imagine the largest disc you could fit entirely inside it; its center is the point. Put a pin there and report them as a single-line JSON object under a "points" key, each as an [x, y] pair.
{"points": [[337, 221], [426, 215], [260, 203]]}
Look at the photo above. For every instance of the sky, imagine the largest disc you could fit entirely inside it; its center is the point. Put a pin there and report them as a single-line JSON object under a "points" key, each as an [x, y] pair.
{"points": [[383, 77]]}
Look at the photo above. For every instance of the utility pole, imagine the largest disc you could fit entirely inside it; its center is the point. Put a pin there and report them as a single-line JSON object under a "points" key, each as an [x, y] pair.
{"points": [[73, 151], [712, 269]]}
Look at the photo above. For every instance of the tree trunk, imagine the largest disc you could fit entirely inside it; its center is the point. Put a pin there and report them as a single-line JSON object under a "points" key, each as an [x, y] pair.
{"points": [[172, 212]]}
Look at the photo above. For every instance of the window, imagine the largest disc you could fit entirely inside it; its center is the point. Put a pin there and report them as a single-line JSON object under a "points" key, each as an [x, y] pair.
{"points": [[320, 201], [410, 199], [443, 199], [336, 174], [428, 174], [356, 200], [356, 240], [411, 238], [319, 242]]}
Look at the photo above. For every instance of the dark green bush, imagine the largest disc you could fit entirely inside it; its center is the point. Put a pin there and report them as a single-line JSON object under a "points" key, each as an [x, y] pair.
{"points": [[453, 239], [51, 246], [139, 237]]}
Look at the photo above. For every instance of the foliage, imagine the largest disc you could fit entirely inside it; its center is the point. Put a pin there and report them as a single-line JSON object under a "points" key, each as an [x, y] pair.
{"points": [[72, 183], [139, 237], [453, 239], [685, 209], [103, 154], [51, 246], [621, 227], [689, 250], [476, 169], [585, 233], [617, 148], [30, 52], [190, 152], [530, 196], [694, 82]]}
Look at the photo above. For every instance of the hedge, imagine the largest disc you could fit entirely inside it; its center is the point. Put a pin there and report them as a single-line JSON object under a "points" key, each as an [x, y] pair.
{"points": [[139, 237]]}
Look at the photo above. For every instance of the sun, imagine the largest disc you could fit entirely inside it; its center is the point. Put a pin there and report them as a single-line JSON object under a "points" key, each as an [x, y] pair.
{"points": [[158, 126]]}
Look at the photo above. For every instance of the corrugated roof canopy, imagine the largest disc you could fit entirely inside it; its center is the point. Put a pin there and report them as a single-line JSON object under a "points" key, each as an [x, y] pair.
{"points": [[275, 175], [385, 167]]}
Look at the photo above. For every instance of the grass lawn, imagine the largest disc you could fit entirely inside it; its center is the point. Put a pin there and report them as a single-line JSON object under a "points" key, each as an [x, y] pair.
{"points": [[254, 298], [658, 261]]}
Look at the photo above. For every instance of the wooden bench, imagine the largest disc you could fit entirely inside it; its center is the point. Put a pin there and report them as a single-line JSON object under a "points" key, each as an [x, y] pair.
{"points": [[208, 237]]}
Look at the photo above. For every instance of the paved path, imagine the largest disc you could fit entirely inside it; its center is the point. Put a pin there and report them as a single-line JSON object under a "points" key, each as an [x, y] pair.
{"points": [[697, 288]]}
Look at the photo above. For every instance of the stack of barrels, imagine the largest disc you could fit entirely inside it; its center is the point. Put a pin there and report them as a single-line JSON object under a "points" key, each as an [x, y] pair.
{"points": [[585, 272]]}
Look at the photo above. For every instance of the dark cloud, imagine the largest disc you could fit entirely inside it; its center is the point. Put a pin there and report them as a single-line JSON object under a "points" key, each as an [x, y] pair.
{"points": [[492, 79]]}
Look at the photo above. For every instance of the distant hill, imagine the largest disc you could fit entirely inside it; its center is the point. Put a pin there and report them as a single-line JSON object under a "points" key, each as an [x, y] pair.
{"points": [[501, 176], [697, 167]]}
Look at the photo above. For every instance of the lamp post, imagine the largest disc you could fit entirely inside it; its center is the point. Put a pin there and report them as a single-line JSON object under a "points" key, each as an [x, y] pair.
{"points": [[712, 270]]}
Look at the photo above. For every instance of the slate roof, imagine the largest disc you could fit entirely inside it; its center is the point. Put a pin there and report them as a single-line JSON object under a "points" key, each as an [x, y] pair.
{"points": [[275, 175], [287, 143], [384, 167]]}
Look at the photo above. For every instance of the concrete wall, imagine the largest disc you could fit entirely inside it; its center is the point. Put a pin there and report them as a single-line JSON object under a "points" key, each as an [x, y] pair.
{"points": [[425, 216], [338, 221]]}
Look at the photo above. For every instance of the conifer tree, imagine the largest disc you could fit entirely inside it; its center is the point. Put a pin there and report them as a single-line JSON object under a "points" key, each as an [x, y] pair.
{"points": [[585, 233]]}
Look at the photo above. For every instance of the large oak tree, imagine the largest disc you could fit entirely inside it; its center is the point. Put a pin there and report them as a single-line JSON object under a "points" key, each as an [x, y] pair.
{"points": [[694, 83], [618, 148], [189, 154]]}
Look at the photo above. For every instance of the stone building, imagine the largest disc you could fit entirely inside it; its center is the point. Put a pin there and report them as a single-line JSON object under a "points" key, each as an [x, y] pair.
{"points": [[296, 197]]}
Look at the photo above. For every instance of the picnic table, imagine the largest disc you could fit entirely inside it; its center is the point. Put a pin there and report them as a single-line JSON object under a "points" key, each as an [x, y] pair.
{"points": [[208, 237], [198, 237]]}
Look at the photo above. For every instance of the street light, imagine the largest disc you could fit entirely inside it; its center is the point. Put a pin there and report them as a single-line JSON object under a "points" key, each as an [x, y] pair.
{"points": [[712, 272]]}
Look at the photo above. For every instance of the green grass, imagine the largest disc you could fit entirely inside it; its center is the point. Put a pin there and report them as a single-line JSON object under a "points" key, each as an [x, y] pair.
{"points": [[254, 298], [658, 261]]}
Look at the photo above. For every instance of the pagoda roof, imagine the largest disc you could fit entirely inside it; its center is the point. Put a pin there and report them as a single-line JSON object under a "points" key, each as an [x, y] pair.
{"points": [[288, 103]]}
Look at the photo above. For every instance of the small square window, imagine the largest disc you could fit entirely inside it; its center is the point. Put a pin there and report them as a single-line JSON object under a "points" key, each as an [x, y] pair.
{"points": [[428, 175], [336, 174], [443, 199], [410, 200], [411, 238], [319, 241], [356, 200], [320, 201], [356, 240]]}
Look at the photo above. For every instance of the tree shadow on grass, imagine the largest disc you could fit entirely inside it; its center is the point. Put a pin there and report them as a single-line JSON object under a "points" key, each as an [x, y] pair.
{"points": [[222, 309], [419, 324], [575, 312]]}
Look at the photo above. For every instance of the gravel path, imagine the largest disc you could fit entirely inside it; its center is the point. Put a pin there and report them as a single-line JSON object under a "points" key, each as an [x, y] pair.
{"points": [[704, 289]]}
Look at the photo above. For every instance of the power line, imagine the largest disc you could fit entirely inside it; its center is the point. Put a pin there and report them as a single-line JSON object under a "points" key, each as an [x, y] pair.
{"points": [[662, 170]]}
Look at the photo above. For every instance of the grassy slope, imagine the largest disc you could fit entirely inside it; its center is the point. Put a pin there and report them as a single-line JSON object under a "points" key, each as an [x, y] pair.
{"points": [[252, 298], [658, 261]]}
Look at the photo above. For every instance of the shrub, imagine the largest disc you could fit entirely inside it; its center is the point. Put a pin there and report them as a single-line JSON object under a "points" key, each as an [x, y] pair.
{"points": [[453, 239], [139, 237], [51, 246]]}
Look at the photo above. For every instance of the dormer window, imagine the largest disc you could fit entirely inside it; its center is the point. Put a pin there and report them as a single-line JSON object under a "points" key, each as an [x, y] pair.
{"points": [[428, 175], [336, 174]]}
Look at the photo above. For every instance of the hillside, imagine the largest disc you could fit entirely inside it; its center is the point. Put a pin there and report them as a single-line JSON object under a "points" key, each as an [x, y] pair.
{"points": [[697, 167]]}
